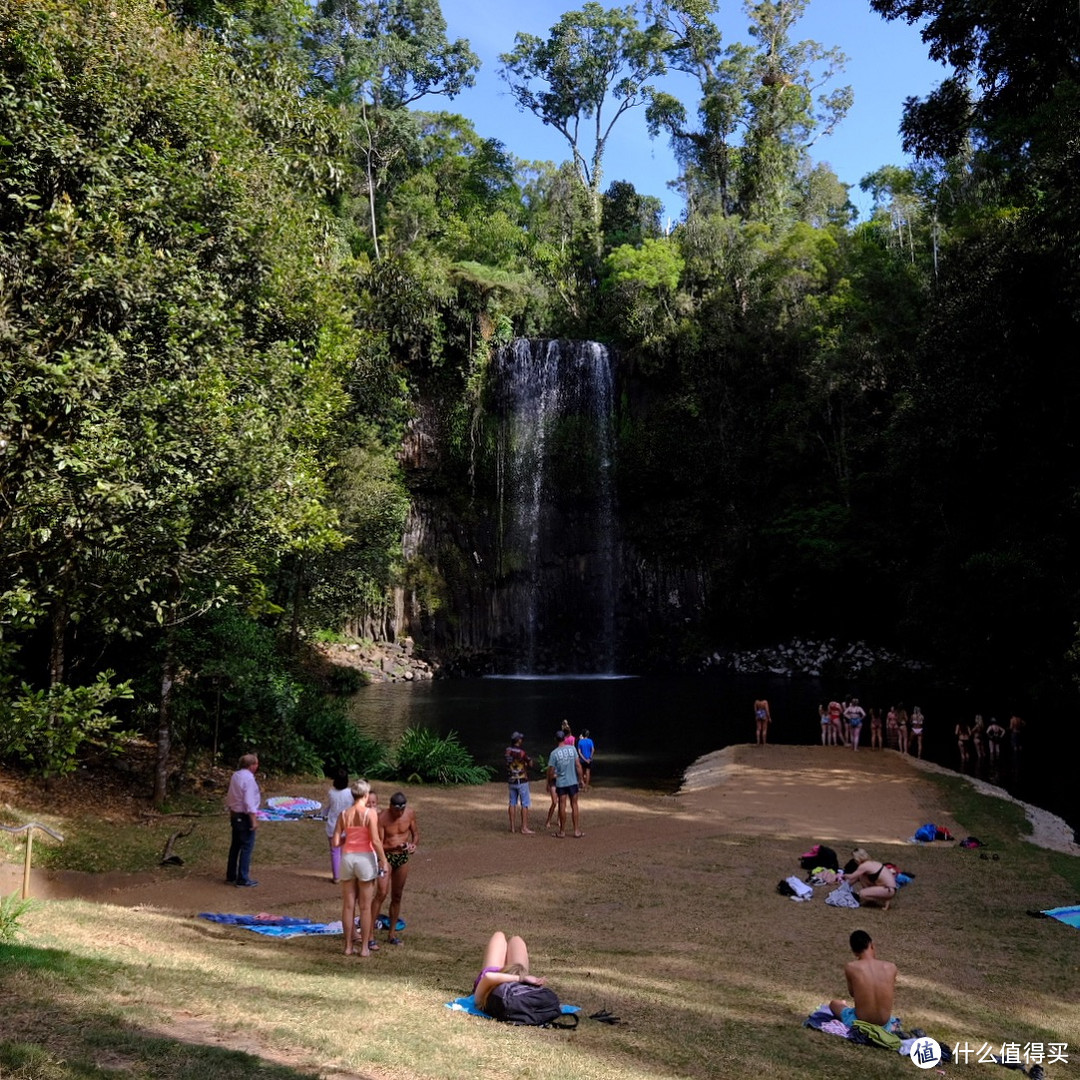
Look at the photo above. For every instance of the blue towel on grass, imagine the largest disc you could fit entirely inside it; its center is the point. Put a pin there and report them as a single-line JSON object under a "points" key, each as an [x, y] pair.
{"points": [[1070, 916], [282, 926], [468, 1004]]}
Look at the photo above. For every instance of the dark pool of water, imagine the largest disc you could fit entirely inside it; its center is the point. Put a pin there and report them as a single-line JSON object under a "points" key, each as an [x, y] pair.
{"points": [[648, 730]]}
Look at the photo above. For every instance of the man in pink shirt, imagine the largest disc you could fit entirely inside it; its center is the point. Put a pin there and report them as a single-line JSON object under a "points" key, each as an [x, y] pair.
{"points": [[242, 802]]}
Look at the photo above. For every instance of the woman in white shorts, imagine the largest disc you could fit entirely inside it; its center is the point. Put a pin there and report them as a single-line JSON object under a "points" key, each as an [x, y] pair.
{"points": [[362, 861]]}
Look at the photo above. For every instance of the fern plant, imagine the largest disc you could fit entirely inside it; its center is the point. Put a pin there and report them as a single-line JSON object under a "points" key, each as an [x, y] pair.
{"points": [[427, 758]]}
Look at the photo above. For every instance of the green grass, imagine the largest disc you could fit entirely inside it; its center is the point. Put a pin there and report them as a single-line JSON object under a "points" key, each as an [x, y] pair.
{"points": [[686, 940]]}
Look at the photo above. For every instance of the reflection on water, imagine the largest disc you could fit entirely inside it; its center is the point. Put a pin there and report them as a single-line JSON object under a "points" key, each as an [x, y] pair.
{"points": [[647, 730]]}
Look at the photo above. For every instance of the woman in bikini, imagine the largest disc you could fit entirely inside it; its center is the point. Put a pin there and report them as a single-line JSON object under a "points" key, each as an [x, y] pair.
{"points": [[875, 729], [917, 722], [876, 880], [504, 961], [762, 718], [963, 739], [362, 859], [902, 728]]}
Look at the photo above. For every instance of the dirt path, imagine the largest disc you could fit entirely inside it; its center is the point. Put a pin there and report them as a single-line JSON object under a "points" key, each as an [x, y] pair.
{"points": [[827, 794]]}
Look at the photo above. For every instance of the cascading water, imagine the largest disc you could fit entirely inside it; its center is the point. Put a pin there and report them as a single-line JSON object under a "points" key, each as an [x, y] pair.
{"points": [[558, 546]]}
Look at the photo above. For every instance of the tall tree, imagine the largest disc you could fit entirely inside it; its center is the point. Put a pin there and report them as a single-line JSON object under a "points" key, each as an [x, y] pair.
{"points": [[593, 67], [761, 106], [381, 56], [174, 338]]}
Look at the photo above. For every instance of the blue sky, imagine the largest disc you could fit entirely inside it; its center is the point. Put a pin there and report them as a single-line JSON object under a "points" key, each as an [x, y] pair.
{"points": [[887, 62]]}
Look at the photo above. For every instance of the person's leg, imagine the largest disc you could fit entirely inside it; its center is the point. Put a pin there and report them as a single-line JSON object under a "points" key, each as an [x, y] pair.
{"points": [[517, 953], [879, 895], [398, 877], [365, 894], [335, 860], [510, 806], [837, 1007], [348, 909], [551, 808], [562, 816], [247, 846], [574, 814], [856, 731], [234, 850], [526, 803], [382, 887], [496, 952]]}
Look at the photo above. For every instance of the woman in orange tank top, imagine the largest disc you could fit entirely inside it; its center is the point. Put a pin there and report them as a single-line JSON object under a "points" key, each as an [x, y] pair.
{"points": [[362, 861]]}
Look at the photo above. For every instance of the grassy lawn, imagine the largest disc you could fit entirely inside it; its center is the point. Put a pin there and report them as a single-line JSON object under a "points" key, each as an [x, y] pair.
{"points": [[667, 920]]}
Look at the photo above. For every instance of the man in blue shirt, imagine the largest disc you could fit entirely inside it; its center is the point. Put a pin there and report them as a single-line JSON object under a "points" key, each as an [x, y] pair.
{"points": [[585, 752], [565, 769]]}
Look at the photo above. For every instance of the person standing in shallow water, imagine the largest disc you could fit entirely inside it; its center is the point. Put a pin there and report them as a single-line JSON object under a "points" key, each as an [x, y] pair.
{"points": [[762, 719]]}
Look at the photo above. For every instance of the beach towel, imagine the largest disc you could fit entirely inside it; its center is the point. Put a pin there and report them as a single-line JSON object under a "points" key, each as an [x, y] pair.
{"points": [[468, 1005], [822, 1019], [1070, 916], [282, 926], [288, 808]]}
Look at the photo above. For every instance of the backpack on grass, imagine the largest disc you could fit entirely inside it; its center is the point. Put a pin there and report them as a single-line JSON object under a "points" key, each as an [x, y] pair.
{"points": [[523, 1003]]}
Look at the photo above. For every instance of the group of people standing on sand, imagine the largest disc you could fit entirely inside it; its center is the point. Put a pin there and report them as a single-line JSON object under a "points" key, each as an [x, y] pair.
{"points": [[369, 849], [369, 857], [569, 771], [842, 723]]}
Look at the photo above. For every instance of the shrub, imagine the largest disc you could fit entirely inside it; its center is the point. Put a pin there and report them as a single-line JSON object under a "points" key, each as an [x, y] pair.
{"points": [[425, 757], [12, 909]]}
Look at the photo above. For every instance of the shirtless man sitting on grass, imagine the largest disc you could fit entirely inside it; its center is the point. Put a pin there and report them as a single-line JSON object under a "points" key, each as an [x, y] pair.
{"points": [[871, 982]]}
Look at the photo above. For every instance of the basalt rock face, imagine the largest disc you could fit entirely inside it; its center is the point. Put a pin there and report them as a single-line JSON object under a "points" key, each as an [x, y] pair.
{"points": [[522, 539]]}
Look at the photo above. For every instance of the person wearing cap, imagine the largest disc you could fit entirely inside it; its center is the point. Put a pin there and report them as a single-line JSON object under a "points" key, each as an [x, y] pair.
{"points": [[518, 764], [564, 767], [400, 836]]}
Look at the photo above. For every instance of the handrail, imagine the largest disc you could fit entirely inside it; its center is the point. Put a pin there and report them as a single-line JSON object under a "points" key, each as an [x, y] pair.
{"points": [[29, 828]]}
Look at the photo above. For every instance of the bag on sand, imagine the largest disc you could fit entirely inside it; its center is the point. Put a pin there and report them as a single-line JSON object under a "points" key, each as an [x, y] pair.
{"points": [[523, 1003]]}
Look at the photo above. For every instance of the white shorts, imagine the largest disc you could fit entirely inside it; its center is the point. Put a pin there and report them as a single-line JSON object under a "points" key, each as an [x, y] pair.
{"points": [[361, 865]]}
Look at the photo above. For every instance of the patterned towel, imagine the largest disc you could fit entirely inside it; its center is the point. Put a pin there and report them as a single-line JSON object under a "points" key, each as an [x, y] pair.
{"points": [[282, 926]]}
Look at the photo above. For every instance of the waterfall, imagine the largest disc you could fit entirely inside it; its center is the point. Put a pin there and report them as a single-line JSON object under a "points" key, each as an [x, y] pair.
{"points": [[558, 549]]}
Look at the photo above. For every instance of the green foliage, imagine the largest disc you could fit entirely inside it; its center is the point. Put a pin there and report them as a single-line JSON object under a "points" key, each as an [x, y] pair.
{"points": [[12, 909], [45, 729], [591, 61], [338, 741], [423, 757]]}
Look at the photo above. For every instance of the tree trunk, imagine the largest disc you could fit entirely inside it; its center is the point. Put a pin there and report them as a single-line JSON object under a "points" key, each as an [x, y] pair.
{"points": [[164, 739]]}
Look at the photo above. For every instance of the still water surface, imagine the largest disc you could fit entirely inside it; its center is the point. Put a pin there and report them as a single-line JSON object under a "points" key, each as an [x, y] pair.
{"points": [[647, 730]]}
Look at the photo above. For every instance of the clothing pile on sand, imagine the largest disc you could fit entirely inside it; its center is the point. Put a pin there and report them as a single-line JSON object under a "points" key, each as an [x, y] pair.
{"points": [[822, 867]]}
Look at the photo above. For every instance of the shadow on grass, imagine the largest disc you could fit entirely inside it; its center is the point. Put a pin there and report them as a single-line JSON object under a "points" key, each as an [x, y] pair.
{"points": [[63, 1039], [107, 1050]]}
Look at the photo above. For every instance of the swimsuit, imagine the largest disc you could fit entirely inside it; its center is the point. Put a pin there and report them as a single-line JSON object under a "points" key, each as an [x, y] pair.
{"points": [[873, 879], [397, 859], [486, 971]]}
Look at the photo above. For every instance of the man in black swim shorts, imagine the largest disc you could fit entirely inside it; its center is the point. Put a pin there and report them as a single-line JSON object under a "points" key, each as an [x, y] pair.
{"points": [[400, 835]]}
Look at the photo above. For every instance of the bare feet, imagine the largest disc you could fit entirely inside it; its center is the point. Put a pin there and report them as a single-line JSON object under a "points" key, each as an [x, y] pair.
{"points": [[528, 832], [560, 836], [578, 835], [349, 951]]}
